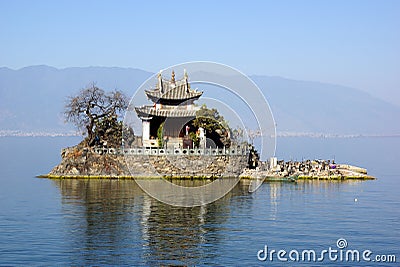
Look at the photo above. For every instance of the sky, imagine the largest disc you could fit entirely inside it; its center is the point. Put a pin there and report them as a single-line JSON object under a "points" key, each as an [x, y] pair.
{"points": [[348, 42]]}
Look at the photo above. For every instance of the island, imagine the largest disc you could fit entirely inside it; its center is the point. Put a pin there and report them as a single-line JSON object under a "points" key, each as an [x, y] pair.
{"points": [[179, 140]]}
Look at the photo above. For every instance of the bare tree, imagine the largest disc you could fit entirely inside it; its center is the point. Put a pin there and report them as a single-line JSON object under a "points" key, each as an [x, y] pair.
{"points": [[91, 105]]}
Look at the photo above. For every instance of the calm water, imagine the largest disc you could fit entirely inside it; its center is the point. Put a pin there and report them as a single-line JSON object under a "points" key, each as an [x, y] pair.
{"points": [[76, 222]]}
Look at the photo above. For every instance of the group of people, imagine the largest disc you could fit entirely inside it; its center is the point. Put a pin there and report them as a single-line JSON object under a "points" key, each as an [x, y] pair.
{"points": [[305, 167]]}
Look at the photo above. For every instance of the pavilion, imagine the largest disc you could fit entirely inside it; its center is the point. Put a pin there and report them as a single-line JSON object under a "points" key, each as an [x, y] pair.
{"points": [[171, 114]]}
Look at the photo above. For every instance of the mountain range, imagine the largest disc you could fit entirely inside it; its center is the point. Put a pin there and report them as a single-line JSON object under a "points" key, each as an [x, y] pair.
{"points": [[32, 99]]}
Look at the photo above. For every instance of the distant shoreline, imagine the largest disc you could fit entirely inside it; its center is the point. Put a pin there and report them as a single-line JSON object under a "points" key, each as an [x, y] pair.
{"points": [[16, 133]]}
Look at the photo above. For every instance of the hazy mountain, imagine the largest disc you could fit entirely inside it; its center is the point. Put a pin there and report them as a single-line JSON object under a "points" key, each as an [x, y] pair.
{"points": [[327, 108], [32, 99]]}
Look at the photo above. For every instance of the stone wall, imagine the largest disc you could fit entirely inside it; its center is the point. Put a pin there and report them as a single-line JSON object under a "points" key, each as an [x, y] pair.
{"points": [[87, 162]]}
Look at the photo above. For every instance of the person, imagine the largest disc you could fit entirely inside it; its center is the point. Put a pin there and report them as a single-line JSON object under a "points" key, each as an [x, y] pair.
{"points": [[97, 140], [166, 139]]}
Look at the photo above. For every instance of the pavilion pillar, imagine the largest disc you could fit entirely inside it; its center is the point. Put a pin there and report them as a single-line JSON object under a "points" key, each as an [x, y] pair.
{"points": [[146, 129]]}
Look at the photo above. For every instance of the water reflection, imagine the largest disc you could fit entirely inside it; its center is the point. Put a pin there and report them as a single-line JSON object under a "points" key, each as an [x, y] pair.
{"points": [[273, 196], [279, 192], [100, 217], [114, 222]]}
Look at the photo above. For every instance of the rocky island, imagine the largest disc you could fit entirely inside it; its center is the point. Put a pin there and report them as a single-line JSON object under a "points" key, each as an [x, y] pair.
{"points": [[179, 140]]}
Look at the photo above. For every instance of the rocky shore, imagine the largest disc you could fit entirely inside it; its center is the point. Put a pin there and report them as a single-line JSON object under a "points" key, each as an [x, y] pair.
{"points": [[308, 169]]}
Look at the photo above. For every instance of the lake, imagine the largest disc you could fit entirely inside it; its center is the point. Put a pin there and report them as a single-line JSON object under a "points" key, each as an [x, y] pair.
{"points": [[112, 222]]}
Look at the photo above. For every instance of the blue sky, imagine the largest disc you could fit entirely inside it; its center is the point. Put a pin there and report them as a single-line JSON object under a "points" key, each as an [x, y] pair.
{"points": [[354, 43]]}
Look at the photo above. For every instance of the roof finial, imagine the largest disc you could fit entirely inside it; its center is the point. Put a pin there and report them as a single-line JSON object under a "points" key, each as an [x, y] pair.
{"points": [[173, 77], [160, 83], [185, 75]]}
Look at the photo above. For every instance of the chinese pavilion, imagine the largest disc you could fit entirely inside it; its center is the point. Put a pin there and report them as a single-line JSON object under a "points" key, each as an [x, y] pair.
{"points": [[171, 114]]}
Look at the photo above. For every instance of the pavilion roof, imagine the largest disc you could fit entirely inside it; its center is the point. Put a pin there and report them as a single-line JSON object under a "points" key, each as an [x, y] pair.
{"points": [[172, 90]]}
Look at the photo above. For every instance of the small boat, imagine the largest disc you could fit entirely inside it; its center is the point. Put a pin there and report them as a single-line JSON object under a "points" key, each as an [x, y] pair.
{"points": [[292, 178]]}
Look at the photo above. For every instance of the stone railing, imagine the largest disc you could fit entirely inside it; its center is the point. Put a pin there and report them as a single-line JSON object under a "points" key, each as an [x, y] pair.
{"points": [[234, 151]]}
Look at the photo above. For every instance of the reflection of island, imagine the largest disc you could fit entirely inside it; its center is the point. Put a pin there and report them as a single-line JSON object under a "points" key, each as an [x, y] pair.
{"points": [[112, 222], [118, 219], [99, 215]]}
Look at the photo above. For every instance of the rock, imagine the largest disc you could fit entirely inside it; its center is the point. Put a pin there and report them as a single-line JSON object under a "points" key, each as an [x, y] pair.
{"points": [[74, 171]]}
